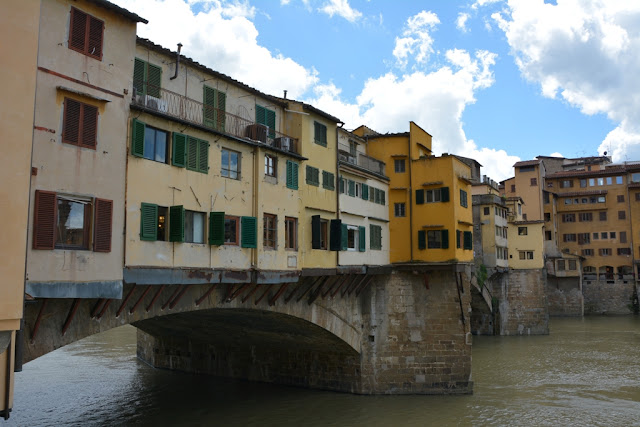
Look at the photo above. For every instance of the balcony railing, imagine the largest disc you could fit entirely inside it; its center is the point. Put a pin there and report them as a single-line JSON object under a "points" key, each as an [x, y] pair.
{"points": [[179, 106], [361, 160]]}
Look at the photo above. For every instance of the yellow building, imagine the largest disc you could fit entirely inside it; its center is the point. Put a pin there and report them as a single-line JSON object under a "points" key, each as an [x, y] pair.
{"points": [[213, 181], [19, 22], [633, 184], [490, 237], [429, 198], [78, 163], [364, 216]]}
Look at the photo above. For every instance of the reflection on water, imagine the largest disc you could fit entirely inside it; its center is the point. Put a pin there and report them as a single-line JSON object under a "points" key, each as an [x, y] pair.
{"points": [[586, 372]]}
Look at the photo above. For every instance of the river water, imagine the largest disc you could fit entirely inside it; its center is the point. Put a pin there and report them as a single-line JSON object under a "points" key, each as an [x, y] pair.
{"points": [[586, 372]]}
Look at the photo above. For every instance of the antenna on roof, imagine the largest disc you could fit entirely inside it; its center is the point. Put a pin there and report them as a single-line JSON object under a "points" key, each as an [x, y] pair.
{"points": [[285, 94]]}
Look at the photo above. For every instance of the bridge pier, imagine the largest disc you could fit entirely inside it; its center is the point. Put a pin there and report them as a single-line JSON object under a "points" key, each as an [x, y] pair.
{"points": [[413, 327]]}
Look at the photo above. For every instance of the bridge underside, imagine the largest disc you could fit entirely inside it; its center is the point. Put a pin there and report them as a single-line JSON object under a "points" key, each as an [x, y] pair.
{"points": [[250, 344]]}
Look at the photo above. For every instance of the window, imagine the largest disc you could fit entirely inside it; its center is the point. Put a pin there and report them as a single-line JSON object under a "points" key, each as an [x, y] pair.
{"points": [[197, 155], [230, 167], [583, 183], [365, 191], [80, 124], [604, 252], [545, 197], [64, 222], [572, 265], [437, 195], [609, 180], [270, 165], [624, 251], [343, 185], [270, 231], [621, 198], [375, 236], [85, 34], [603, 216], [319, 233], [569, 217], [147, 79], [561, 266], [353, 148], [352, 238], [585, 216], [638, 197], [266, 117], [604, 235], [320, 134], [487, 210], [468, 240], [547, 235], [148, 142], [399, 165], [622, 215], [635, 177], [571, 237], [513, 188], [547, 216], [522, 231], [399, 209], [194, 227], [584, 238], [525, 254], [587, 252], [214, 105], [498, 231], [463, 199], [618, 180], [612, 234], [534, 182], [313, 176], [437, 239], [290, 233], [566, 183], [600, 181], [292, 175], [623, 237], [231, 230], [358, 189], [329, 182], [592, 182]]}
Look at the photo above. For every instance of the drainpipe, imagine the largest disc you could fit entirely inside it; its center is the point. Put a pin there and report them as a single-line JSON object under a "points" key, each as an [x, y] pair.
{"points": [[254, 207], [177, 61], [338, 216]]}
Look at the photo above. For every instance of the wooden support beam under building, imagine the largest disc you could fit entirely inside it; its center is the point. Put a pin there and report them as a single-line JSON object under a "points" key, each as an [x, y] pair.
{"points": [[71, 315], [155, 297]]}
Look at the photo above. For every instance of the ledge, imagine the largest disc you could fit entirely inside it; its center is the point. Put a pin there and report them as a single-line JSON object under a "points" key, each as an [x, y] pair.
{"points": [[101, 289]]}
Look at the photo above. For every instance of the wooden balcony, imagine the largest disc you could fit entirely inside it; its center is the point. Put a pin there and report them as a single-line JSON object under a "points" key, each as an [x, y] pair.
{"points": [[189, 110]]}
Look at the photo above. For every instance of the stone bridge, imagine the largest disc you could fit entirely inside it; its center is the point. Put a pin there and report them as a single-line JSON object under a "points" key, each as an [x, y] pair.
{"points": [[395, 330]]}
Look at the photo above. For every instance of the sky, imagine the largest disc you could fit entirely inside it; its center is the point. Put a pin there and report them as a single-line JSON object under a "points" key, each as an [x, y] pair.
{"points": [[496, 80]]}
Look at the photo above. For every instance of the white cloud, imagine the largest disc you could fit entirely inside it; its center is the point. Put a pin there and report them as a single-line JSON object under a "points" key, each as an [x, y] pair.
{"points": [[461, 22], [341, 8], [556, 154], [480, 3], [583, 52], [223, 38], [416, 41]]}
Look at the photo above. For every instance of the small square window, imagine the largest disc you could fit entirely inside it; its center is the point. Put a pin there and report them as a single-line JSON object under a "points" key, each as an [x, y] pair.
{"points": [[399, 209], [230, 167], [231, 225], [399, 165], [194, 227], [270, 165]]}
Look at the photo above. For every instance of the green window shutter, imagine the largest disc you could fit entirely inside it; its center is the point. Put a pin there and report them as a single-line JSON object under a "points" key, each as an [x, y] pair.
{"points": [[192, 153], [249, 231], [458, 239], [445, 194], [176, 224], [271, 122], [331, 181], [137, 138], [335, 237], [203, 156], [375, 240], [261, 115], [365, 192], [445, 239], [468, 240], [221, 115], [341, 184], [216, 228], [154, 80], [362, 237], [383, 197], [292, 175], [344, 237], [419, 197], [352, 188], [179, 150], [139, 69], [311, 175], [315, 231], [148, 221], [209, 106], [422, 239]]}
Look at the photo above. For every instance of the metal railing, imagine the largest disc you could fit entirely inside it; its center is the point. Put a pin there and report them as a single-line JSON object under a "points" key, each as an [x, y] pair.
{"points": [[179, 106], [360, 159]]}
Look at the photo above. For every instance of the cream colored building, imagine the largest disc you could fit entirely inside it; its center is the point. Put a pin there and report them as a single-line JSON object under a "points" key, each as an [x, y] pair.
{"points": [[364, 216], [19, 23], [85, 61]]}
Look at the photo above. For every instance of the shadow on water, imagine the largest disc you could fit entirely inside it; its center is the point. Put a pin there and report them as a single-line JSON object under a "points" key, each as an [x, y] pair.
{"points": [[586, 372]]}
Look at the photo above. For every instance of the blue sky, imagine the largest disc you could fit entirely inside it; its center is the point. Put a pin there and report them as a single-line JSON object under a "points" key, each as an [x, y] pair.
{"points": [[496, 80]]}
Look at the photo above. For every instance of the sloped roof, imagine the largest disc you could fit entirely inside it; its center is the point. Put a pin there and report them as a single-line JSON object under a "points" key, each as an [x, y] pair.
{"points": [[119, 10]]}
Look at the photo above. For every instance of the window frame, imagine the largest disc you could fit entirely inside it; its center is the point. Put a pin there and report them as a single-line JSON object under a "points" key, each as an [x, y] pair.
{"points": [[77, 122], [269, 227], [399, 165], [191, 214], [228, 219], [399, 208], [270, 165], [89, 27], [290, 233], [226, 172]]}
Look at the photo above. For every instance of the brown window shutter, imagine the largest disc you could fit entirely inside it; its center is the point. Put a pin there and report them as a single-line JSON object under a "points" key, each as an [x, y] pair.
{"points": [[78, 30], [102, 225], [89, 126], [71, 125], [44, 220], [96, 31]]}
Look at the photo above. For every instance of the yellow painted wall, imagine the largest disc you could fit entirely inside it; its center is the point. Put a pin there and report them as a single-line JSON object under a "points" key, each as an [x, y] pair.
{"points": [[531, 194], [66, 168], [532, 241]]}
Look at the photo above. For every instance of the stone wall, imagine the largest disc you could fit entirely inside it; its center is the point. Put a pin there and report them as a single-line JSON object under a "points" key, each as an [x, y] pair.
{"points": [[564, 296], [523, 308], [601, 297]]}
